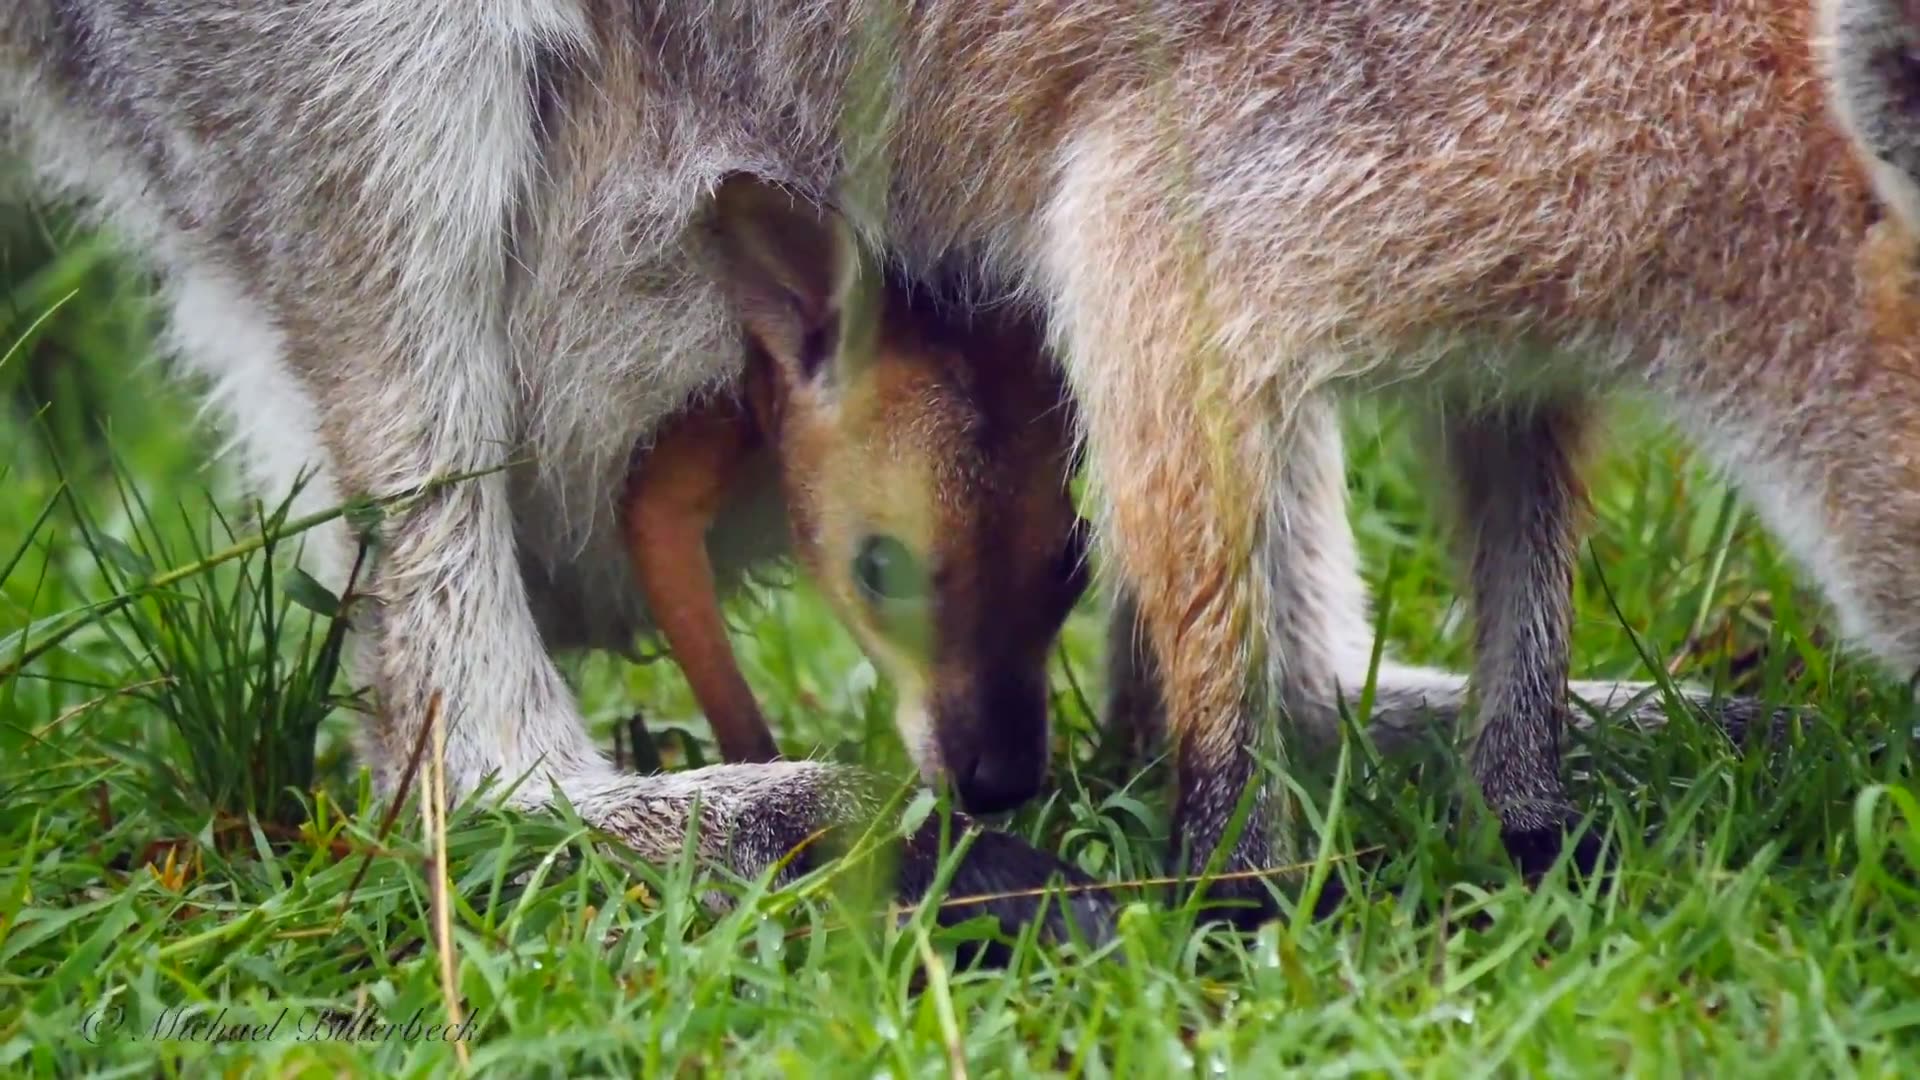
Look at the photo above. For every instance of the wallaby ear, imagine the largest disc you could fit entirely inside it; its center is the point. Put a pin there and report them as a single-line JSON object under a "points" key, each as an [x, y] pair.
{"points": [[1870, 55], [797, 278]]}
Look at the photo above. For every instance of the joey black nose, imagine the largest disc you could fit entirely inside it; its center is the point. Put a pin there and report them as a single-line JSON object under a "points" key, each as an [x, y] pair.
{"points": [[999, 777], [991, 723]]}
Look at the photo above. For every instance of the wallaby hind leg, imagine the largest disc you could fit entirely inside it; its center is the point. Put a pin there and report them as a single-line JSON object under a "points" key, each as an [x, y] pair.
{"points": [[1520, 504], [748, 817], [1839, 486], [675, 492]]}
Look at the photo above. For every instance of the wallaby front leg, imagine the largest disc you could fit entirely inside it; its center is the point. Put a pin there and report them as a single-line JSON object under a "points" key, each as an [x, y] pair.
{"points": [[384, 257], [1520, 505], [1180, 533], [1322, 625]]}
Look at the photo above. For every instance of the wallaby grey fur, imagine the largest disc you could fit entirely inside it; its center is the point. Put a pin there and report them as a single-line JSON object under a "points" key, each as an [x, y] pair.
{"points": [[353, 210], [408, 239]]}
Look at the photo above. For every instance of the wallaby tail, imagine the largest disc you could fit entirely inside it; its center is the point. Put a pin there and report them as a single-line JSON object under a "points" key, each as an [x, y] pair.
{"points": [[1870, 54]]}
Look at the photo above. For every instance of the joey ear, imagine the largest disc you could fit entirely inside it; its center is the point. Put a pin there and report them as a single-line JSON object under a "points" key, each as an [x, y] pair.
{"points": [[797, 278]]}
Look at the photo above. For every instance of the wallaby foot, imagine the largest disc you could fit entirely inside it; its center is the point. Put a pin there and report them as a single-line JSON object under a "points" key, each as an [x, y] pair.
{"points": [[1009, 880], [799, 814], [1535, 851]]}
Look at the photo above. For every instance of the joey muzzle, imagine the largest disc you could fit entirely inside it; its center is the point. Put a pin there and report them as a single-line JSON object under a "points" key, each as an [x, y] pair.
{"points": [[993, 742]]}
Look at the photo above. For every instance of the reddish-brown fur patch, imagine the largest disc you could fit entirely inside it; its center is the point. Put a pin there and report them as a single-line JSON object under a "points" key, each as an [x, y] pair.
{"points": [[963, 418]]}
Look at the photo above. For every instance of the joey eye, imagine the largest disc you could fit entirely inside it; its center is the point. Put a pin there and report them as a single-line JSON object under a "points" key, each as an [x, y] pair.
{"points": [[887, 572]]}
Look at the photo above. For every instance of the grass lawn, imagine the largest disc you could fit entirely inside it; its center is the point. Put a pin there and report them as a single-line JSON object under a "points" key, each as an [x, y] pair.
{"points": [[178, 853]]}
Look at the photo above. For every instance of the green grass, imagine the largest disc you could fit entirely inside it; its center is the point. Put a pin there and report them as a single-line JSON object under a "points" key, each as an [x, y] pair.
{"points": [[174, 843]]}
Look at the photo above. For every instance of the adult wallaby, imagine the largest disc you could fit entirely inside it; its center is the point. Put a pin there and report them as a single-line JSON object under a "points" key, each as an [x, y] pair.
{"points": [[921, 465], [1234, 215], [922, 473], [1230, 214], [356, 319]]}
